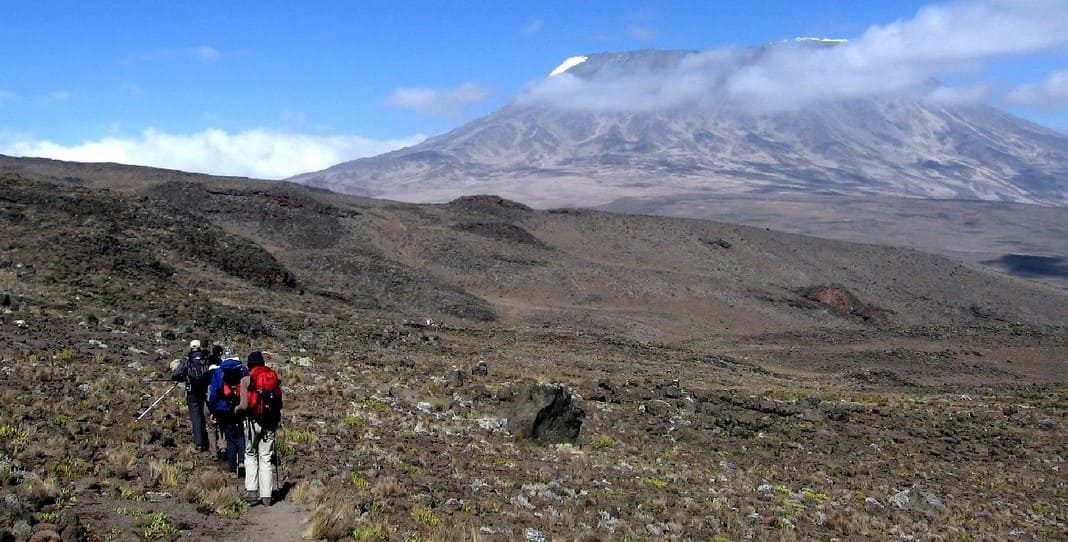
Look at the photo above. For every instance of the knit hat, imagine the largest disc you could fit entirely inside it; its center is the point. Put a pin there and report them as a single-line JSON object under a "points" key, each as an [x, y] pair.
{"points": [[194, 344], [255, 358]]}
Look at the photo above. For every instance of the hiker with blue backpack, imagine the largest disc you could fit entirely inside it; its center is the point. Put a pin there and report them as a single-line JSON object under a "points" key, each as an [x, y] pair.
{"points": [[261, 402], [223, 399], [191, 371]]}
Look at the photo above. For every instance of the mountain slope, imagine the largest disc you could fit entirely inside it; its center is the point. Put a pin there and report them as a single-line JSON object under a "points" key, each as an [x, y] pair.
{"points": [[485, 259], [557, 146]]}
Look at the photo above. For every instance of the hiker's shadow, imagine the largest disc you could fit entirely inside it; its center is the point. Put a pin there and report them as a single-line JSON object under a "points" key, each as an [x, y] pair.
{"points": [[283, 490]]}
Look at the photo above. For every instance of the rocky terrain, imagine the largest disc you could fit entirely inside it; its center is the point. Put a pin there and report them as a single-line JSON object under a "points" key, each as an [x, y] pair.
{"points": [[479, 370]]}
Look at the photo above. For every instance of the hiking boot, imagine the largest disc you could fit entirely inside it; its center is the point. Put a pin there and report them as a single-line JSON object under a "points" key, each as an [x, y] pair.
{"points": [[266, 501], [252, 496]]}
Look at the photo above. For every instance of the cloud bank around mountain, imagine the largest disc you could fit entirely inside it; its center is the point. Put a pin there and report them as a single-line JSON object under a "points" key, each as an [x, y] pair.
{"points": [[260, 153], [904, 57]]}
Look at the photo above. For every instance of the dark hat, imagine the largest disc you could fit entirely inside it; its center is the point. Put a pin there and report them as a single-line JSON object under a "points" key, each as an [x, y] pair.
{"points": [[217, 350], [255, 358]]}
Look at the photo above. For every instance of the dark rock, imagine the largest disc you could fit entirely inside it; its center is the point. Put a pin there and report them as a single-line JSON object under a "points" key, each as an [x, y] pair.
{"points": [[402, 394], [5, 301], [455, 378], [838, 414], [659, 408], [6, 535], [547, 414], [480, 369]]}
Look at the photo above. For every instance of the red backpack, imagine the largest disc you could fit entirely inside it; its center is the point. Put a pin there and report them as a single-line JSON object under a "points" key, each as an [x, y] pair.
{"points": [[264, 394]]}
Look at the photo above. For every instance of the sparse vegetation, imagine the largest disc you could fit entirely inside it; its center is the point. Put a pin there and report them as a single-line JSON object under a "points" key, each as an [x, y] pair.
{"points": [[815, 429]]}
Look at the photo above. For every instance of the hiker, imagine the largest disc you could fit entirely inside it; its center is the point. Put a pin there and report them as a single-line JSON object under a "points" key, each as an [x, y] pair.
{"points": [[191, 370], [261, 401], [223, 398], [216, 440]]}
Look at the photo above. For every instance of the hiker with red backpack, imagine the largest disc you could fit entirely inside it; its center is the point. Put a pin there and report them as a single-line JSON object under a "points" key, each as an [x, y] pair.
{"points": [[261, 402], [223, 398]]}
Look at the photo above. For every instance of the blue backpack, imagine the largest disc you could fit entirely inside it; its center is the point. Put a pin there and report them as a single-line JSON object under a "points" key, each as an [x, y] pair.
{"points": [[224, 392]]}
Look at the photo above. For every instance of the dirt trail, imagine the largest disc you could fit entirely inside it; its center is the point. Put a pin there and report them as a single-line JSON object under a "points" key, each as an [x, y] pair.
{"points": [[282, 522]]}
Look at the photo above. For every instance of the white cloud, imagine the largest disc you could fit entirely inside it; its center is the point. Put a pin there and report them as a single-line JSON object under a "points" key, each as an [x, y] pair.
{"points": [[204, 52], [260, 153], [443, 103], [132, 88], [901, 57], [641, 33], [534, 27], [1050, 93], [199, 52]]}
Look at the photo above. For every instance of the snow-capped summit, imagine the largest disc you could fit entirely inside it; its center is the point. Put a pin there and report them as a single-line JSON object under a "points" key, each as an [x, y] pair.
{"points": [[822, 40], [649, 124], [568, 64]]}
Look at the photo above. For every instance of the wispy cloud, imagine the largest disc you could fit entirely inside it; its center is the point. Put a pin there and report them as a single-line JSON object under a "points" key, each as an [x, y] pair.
{"points": [[1050, 93], [198, 52], [449, 103], [640, 32], [901, 57], [204, 52], [132, 88], [57, 96], [261, 153], [533, 27]]}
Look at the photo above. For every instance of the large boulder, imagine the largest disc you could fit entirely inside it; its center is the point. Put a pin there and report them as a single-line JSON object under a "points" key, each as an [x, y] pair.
{"points": [[546, 414]]}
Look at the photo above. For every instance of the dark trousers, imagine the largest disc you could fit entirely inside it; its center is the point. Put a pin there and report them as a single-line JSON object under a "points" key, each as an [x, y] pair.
{"points": [[200, 423], [234, 432]]}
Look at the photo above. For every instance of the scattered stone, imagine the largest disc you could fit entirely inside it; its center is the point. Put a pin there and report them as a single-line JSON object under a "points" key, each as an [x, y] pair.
{"points": [[46, 535], [21, 324], [546, 413], [534, 535], [480, 369], [916, 499], [22, 530], [658, 408], [407, 363], [69, 525], [838, 414], [302, 361], [5, 301], [138, 351], [98, 344], [455, 378]]}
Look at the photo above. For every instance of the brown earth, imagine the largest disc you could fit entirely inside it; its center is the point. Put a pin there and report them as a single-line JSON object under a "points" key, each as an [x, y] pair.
{"points": [[722, 396]]}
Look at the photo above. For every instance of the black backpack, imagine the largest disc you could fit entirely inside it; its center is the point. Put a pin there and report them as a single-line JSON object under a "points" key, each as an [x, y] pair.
{"points": [[194, 372]]}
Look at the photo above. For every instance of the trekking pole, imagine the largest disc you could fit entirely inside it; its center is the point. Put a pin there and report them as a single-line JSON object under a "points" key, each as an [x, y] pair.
{"points": [[156, 402]]}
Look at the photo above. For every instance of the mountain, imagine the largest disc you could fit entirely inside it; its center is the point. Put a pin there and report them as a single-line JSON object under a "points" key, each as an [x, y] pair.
{"points": [[652, 124]]}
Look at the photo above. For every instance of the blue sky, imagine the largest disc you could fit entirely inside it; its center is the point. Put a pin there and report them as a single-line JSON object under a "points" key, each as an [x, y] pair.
{"points": [[271, 89]]}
